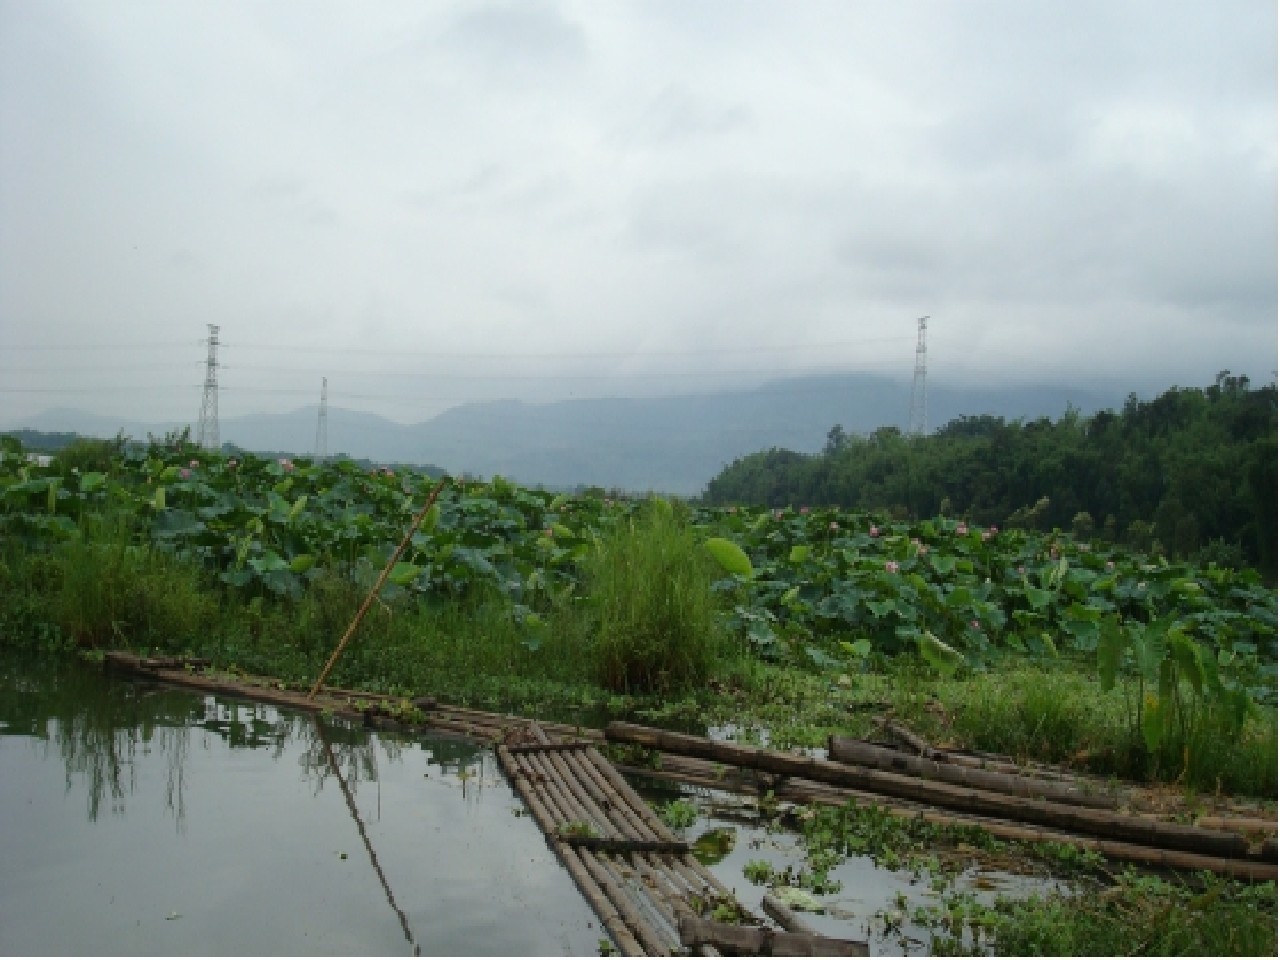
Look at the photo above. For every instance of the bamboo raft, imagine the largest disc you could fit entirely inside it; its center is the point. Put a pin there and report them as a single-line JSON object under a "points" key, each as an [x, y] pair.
{"points": [[644, 884]]}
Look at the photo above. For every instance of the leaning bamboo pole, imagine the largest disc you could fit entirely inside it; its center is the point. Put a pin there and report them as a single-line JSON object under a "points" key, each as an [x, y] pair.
{"points": [[377, 587], [1096, 823]]}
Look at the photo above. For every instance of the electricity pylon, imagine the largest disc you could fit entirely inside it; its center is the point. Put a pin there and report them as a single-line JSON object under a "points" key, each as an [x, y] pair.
{"points": [[207, 431], [322, 422], [919, 424]]}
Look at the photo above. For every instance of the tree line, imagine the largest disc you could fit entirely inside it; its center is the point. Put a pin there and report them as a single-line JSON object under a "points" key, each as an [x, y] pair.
{"points": [[1189, 475]]}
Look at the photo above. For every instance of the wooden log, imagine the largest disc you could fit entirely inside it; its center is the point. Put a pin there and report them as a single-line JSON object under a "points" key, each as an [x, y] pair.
{"points": [[1245, 825], [980, 760], [686, 770], [849, 750], [784, 916], [763, 941], [1078, 819]]}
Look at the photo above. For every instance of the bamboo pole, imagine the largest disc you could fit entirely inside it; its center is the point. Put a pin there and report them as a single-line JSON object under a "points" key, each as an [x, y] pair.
{"points": [[652, 942], [642, 809], [377, 587], [1079, 819], [686, 770], [849, 750], [611, 806], [573, 862]]}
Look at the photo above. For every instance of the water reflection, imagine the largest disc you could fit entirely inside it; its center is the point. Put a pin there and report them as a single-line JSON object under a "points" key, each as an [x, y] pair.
{"points": [[442, 860], [101, 725]]}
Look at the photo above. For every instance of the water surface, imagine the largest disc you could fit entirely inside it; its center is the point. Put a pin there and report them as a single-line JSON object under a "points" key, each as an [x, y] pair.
{"points": [[144, 820]]}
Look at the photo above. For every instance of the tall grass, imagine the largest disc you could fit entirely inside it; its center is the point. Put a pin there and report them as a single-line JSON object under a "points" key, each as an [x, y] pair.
{"points": [[103, 589], [651, 608]]}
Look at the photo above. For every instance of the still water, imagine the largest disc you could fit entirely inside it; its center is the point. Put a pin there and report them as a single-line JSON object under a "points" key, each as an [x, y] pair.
{"points": [[143, 820]]}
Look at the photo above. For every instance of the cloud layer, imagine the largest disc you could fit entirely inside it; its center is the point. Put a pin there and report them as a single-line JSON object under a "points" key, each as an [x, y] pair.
{"points": [[431, 203]]}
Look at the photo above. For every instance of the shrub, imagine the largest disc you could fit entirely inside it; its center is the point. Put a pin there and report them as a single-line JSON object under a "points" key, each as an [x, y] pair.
{"points": [[653, 611]]}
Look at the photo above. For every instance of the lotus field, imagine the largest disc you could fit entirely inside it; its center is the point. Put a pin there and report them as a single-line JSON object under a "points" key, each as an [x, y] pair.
{"points": [[806, 586]]}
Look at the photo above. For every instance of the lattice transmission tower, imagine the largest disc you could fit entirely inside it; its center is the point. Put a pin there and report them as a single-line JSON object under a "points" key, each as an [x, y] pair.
{"points": [[919, 397], [322, 422], [207, 431]]}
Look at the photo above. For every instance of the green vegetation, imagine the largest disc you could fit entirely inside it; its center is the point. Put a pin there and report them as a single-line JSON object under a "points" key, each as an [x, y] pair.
{"points": [[1138, 915], [652, 616], [1191, 474], [786, 625]]}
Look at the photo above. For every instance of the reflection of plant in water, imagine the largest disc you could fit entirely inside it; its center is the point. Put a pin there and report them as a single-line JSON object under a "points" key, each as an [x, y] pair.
{"points": [[337, 745], [98, 728]]}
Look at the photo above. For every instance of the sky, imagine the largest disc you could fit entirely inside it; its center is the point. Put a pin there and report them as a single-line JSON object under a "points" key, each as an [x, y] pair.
{"points": [[434, 203]]}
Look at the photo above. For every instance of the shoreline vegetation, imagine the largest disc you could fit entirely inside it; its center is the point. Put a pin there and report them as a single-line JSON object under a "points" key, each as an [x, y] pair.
{"points": [[784, 624]]}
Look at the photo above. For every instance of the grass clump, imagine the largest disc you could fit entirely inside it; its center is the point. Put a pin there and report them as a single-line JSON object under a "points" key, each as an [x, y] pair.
{"points": [[652, 609], [1140, 915]]}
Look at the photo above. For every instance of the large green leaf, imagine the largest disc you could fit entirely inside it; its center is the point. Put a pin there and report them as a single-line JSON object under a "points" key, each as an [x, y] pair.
{"points": [[403, 574], [730, 557], [942, 657]]}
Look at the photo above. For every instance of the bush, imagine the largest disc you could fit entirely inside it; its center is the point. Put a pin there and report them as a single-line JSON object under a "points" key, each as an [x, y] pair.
{"points": [[653, 611]]}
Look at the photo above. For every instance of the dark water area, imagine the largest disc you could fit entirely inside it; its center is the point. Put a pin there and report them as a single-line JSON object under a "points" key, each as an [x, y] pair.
{"points": [[142, 820]]}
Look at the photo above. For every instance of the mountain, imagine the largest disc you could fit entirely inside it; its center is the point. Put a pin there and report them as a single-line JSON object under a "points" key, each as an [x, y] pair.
{"points": [[669, 444]]}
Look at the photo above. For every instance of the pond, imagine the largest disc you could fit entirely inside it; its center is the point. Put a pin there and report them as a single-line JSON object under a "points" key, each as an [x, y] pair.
{"points": [[144, 821]]}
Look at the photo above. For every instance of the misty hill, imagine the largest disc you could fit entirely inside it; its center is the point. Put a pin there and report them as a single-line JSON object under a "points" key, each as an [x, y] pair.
{"points": [[669, 444]]}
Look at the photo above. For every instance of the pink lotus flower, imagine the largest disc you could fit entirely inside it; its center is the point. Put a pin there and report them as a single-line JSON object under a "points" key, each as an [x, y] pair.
{"points": [[986, 535], [549, 533], [993, 530], [1111, 565], [286, 463], [231, 464], [185, 473], [962, 529], [833, 525], [875, 531], [891, 566], [974, 625], [194, 464], [804, 511], [922, 549], [777, 514], [1022, 571]]}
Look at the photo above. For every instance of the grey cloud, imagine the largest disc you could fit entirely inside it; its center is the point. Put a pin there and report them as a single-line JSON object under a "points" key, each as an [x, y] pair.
{"points": [[513, 39]]}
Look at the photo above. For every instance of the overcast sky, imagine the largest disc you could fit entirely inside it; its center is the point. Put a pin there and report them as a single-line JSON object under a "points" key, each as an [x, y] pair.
{"points": [[434, 202]]}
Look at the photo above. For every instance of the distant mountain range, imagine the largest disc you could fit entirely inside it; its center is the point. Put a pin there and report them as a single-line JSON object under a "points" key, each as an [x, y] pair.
{"points": [[668, 444]]}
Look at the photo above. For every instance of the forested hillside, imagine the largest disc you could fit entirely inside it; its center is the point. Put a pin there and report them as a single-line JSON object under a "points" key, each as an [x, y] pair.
{"points": [[1190, 473]]}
